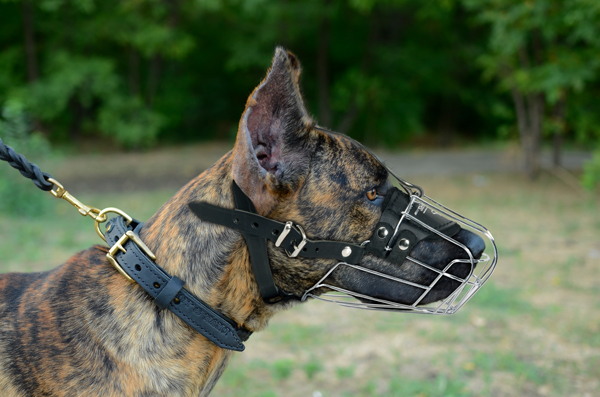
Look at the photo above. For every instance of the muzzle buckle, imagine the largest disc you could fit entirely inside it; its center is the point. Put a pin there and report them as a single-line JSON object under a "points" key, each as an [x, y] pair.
{"points": [[298, 248], [286, 231]]}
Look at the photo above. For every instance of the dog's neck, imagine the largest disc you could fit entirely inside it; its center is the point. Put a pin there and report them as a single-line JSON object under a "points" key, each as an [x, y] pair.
{"points": [[213, 260]]}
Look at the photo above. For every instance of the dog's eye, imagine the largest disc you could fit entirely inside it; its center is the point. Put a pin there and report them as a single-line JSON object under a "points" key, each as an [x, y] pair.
{"points": [[372, 194]]}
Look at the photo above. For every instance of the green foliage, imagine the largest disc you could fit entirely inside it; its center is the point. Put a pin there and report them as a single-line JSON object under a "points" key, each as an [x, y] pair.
{"points": [[86, 85], [10, 58], [591, 172], [68, 77], [130, 122], [562, 58], [140, 72], [544, 53], [20, 197]]}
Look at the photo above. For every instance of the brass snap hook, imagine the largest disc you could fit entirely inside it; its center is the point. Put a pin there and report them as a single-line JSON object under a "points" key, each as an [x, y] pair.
{"points": [[60, 192], [101, 218]]}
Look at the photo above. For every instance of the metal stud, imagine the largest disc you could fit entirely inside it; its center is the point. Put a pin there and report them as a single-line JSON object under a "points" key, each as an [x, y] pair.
{"points": [[346, 252], [382, 232], [403, 244]]}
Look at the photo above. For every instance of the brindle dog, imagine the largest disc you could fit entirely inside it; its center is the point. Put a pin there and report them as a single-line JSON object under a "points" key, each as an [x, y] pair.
{"points": [[83, 330]]}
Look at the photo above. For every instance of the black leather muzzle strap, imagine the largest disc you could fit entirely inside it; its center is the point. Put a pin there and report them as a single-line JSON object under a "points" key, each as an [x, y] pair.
{"points": [[259, 258], [396, 234], [257, 230], [168, 291], [287, 235]]}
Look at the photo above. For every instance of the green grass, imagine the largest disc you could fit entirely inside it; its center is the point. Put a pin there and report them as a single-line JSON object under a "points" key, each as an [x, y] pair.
{"points": [[345, 372], [282, 369], [440, 386], [521, 368], [289, 334], [531, 330], [255, 383], [503, 300], [312, 368], [45, 241]]}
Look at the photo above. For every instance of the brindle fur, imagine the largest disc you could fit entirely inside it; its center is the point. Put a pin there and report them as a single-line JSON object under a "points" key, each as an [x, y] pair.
{"points": [[82, 330]]}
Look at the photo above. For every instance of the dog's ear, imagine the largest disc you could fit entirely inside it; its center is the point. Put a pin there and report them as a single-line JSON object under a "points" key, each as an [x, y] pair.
{"points": [[271, 154]]}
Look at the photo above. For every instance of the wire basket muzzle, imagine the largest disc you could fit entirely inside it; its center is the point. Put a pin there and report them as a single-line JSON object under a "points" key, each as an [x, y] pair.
{"points": [[422, 215]]}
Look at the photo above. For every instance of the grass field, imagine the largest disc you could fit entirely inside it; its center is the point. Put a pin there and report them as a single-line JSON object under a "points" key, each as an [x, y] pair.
{"points": [[533, 330]]}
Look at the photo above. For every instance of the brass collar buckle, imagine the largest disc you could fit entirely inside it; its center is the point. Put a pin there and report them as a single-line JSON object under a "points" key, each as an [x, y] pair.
{"points": [[119, 247]]}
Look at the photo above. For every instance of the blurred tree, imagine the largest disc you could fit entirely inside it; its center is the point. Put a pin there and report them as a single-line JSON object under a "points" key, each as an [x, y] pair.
{"points": [[540, 56], [140, 72], [29, 33], [146, 70]]}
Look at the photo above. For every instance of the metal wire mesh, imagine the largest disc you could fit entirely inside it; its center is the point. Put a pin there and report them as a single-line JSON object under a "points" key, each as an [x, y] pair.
{"points": [[480, 269]]}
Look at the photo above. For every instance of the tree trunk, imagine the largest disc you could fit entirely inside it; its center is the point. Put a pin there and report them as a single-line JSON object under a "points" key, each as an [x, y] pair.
{"points": [[535, 104], [29, 33], [530, 111], [446, 122], [557, 138], [77, 113], [153, 77], [556, 149], [156, 63], [30, 54], [134, 72], [348, 119], [529, 119], [323, 70]]}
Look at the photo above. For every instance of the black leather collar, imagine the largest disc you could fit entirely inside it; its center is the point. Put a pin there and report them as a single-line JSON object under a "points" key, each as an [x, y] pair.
{"points": [[131, 255]]}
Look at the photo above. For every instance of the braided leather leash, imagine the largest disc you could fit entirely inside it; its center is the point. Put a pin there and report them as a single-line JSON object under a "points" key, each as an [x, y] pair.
{"points": [[27, 169]]}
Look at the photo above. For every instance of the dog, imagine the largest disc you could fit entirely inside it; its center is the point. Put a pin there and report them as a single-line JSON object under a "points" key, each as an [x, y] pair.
{"points": [[83, 330]]}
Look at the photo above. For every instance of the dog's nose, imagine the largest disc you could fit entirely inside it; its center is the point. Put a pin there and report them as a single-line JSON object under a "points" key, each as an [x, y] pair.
{"points": [[473, 242]]}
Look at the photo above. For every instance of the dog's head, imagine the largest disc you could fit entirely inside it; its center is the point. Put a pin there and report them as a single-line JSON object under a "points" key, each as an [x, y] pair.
{"points": [[328, 183]]}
